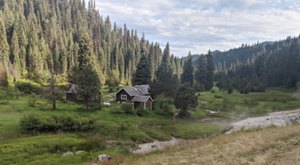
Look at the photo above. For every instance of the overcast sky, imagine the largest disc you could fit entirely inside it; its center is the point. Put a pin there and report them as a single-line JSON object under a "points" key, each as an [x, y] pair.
{"points": [[200, 25]]}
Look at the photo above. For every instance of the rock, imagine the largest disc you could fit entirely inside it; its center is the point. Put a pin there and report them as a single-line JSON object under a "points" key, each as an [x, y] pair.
{"points": [[80, 152], [69, 153], [103, 157], [107, 104]]}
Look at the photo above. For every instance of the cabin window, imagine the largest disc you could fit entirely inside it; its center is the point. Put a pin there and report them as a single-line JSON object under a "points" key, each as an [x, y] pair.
{"points": [[123, 97]]}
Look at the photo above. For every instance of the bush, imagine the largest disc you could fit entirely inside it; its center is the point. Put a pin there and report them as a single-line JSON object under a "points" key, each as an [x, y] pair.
{"points": [[127, 108], [164, 106], [93, 143], [32, 101], [140, 111], [28, 87], [199, 87], [214, 90], [56, 123], [218, 96]]}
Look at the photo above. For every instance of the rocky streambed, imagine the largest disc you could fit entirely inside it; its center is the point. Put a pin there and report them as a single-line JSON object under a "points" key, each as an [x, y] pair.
{"points": [[278, 119]]}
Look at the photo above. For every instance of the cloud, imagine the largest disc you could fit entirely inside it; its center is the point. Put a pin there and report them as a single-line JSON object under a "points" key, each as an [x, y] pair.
{"points": [[200, 25]]}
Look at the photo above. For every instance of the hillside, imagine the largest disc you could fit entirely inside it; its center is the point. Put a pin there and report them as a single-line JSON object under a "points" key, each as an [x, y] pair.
{"points": [[266, 146], [40, 37], [254, 68]]}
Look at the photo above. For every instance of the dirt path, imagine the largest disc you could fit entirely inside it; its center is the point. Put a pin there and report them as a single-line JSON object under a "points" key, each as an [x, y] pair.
{"points": [[278, 119]]}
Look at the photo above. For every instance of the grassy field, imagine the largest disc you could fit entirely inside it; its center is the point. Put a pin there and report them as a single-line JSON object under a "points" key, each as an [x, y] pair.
{"points": [[115, 131], [267, 146], [236, 106]]}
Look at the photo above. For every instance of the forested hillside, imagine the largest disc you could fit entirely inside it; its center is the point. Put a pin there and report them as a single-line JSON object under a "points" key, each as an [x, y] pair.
{"points": [[255, 67], [40, 37], [262, 65]]}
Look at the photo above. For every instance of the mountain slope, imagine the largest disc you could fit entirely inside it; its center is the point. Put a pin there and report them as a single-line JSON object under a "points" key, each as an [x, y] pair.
{"points": [[42, 36]]}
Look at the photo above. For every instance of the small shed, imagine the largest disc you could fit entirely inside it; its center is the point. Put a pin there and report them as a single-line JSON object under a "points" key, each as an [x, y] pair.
{"points": [[138, 95], [126, 94], [145, 101]]}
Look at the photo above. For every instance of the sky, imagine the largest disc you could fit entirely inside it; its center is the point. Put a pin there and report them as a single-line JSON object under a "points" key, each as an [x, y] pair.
{"points": [[202, 25]]}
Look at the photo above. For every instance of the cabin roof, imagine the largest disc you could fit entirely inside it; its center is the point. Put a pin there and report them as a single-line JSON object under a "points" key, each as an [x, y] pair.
{"points": [[144, 89], [141, 99]]}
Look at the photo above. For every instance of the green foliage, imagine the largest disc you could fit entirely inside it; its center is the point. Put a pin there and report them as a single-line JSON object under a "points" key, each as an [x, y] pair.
{"points": [[28, 87], [4, 47], [188, 71], [32, 101], [140, 111], [93, 143], [256, 67], [166, 82], [39, 149], [55, 123], [60, 46], [142, 75], [164, 106], [252, 104], [205, 71], [185, 99], [128, 108], [214, 90]]}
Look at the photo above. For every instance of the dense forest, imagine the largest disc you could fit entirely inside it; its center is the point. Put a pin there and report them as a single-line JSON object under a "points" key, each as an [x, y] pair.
{"points": [[255, 67], [41, 37]]}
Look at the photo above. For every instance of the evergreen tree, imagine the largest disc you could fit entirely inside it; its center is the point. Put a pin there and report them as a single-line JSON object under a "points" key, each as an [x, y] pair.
{"points": [[47, 33], [187, 76], [210, 71], [143, 72], [164, 72], [85, 76], [205, 71], [201, 72], [185, 98], [166, 83], [4, 47]]}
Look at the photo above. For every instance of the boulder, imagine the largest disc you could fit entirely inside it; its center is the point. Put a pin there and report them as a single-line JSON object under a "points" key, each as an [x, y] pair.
{"points": [[103, 157], [69, 153], [80, 152]]}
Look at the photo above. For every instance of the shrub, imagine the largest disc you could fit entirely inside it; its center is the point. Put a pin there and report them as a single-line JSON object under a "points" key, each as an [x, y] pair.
{"points": [[28, 87], [93, 143], [127, 108], [32, 101], [218, 96], [164, 106], [214, 90], [140, 111], [56, 123]]}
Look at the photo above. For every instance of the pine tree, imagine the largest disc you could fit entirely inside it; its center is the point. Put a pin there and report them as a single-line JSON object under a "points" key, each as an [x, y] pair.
{"points": [[164, 72], [210, 71], [85, 76], [200, 74], [166, 83], [142, 75], [4, 47], [15, 51], [46, 34], [185, 99], [187, 76]]}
